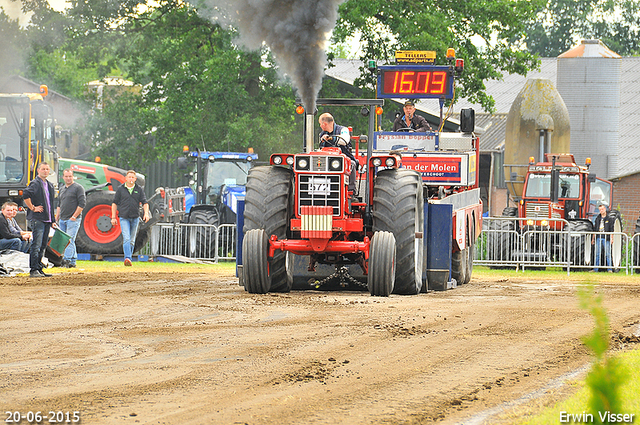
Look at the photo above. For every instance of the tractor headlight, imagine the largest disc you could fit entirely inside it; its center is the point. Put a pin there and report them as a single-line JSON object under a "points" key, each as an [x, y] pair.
{"points": [[530, 222], [277, 160], [335, 165], [302, 163], [376, 162], [544, 223], [390, 162], [289, 160]]}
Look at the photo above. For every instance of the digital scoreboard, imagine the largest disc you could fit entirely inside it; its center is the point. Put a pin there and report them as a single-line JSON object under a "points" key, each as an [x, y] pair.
{"points": [[415, 81]]}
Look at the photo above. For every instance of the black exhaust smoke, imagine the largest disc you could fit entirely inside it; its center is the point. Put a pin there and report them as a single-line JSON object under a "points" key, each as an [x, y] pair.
{"points": [[296, 31]]}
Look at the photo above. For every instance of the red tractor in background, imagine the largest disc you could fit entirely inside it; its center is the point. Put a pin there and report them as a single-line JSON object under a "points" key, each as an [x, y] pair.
{"points": [[557, 190]]}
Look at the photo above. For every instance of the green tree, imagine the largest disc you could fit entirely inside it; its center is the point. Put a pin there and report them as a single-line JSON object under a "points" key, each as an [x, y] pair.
{"points": [[560, 24], [14, 43], [488, 35], [194, 86]]}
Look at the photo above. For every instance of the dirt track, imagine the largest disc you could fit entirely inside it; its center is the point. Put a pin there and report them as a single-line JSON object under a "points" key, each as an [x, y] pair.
{"points": [[144, 347]]}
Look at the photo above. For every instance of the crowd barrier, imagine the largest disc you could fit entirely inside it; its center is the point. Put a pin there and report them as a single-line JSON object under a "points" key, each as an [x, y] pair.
{"points": [[511, 242], [197, 241], [505, 242]]}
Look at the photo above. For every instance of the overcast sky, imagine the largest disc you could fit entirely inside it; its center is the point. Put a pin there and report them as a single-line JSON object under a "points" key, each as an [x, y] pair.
{"points": [[12, 8]]}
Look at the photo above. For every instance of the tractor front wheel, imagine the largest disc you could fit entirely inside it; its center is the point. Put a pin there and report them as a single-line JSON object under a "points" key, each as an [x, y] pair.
{"points": [[255, 247], [382, 264], [398, 207], [268, 205]]}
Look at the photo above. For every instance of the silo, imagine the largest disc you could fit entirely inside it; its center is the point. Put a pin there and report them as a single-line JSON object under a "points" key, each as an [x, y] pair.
{"points": [[538, 123], [589, 83]]}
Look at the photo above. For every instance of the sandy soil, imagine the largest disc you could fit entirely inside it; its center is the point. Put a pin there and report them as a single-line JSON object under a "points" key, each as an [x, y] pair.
{"points": [[162, 348]]}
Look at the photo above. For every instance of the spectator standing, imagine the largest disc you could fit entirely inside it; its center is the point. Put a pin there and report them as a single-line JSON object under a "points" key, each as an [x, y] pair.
{"points": [[38, 198], [71, 202], [9, 238], [126, 205], [603, 225]]}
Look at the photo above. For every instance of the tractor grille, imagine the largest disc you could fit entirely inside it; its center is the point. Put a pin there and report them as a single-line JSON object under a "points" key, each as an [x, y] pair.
{"points": [[540, 210], [319, 190]]}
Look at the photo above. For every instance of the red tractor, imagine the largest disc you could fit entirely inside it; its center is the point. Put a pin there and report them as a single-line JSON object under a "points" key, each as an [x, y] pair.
{"points": [[557, 191], [301, 205]]}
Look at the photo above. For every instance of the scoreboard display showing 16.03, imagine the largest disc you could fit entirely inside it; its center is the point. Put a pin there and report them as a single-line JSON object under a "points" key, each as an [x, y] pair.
{"points": [[415, 81]]}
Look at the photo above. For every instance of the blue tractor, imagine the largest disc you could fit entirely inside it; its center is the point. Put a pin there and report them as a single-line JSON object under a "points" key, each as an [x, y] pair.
{"points": [[216, 181]]}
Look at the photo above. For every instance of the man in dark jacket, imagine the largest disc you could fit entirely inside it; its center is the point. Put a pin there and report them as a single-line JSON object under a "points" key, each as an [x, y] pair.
{"points": [[38, 198], [603, 224], [410, 120], [126, 204], [12, 236]]}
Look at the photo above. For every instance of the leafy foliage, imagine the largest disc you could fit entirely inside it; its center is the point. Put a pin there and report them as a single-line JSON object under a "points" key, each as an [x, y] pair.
{"points": [[193, 85], [384, 27], [606, 375], [560, 24]]}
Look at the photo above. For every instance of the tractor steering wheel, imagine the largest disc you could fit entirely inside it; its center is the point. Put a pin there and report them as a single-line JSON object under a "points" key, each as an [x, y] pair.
{"points": [[406, 130], [336, 138]]}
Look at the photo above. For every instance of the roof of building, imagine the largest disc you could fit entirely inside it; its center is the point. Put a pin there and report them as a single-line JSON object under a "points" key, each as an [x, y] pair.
{"points": [[505, 90]]}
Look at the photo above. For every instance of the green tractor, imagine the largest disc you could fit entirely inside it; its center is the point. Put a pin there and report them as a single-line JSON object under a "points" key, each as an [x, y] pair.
{"points": [[96, 234]]}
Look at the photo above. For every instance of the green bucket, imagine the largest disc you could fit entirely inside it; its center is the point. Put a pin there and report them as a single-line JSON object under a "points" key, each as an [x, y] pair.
{"points": [[59, 242]]}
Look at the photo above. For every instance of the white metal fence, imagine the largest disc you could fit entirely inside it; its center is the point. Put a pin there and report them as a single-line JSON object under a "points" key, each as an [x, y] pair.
{"points": [[519, 243], [197, 241], [504, 242]]}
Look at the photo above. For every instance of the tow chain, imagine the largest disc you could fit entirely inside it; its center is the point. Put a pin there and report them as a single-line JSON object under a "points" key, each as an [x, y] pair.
{"points": [[341, 273]]}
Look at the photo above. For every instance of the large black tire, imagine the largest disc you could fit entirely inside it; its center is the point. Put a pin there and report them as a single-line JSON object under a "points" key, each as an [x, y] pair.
{"points": [[471, 245], [96, 234], [255, 247], [580, 250], [382, 264], [510, 212], [201, 241], [398, 207], [616, 246], [471, 251], [459, 266], [268, 205], [499, 241], [144, 233]]}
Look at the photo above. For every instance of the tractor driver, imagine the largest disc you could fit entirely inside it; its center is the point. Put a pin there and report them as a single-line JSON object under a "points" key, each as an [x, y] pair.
{"points": [[411, 121], [334, 135]]}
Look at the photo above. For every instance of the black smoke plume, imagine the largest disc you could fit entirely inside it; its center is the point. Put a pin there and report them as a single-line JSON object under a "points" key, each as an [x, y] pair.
{"points": [[296, 31]]}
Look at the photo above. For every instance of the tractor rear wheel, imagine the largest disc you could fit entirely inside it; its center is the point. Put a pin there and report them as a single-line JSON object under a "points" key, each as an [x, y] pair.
{"points": [[501, 240], [382, 264], [255, 247], [398, 207], [459, 266], [268, 205], [616, 243], [96, 234], [201, 242], [471, 250], [580, 251]]}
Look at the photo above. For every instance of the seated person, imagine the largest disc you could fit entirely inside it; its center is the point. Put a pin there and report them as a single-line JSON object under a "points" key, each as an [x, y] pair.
{"points": [[411, 120], [11, 235]]}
